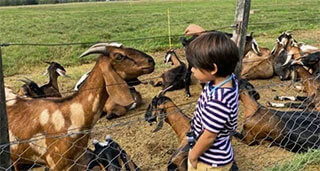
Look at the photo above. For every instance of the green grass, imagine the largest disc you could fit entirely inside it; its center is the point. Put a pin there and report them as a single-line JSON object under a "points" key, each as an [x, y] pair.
{"points": [[124, 21], [300, 162]]}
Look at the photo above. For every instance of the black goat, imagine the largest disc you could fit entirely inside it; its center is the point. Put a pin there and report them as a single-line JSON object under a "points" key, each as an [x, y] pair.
{"points": [[111, 156], [175, 77], [51, 89]]}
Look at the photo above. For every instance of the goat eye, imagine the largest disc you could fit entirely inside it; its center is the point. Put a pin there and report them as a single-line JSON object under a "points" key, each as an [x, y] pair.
{"points": [[119, 57]]}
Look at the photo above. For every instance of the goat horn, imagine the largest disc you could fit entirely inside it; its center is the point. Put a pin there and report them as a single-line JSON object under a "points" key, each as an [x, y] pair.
{"points": [[25, 81], [95, 49], [100, 44], [163, 92], [114, 44], [299, 62], [289, 57]]}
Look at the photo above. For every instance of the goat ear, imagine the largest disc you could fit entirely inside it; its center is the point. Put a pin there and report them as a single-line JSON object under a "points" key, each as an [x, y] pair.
{"points": [[161, 120], [117, 88]]}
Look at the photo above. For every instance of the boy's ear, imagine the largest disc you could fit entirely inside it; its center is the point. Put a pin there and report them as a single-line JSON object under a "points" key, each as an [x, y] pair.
{"points": [[215, 69]]}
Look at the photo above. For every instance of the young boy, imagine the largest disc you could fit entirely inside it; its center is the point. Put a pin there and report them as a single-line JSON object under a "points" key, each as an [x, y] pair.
{"points": [[213, 57]]}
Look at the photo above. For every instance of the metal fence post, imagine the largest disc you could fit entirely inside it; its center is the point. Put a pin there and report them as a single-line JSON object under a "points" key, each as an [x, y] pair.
{"points": [[4, 136], [239, 34]]}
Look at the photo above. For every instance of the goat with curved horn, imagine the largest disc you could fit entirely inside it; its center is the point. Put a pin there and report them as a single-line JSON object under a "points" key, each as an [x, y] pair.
{"points": [[72, 116], [112, 108]]}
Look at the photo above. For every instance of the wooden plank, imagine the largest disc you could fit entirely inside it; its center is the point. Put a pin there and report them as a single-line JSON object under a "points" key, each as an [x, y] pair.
{"points": [[239, 34], [4, 136]]}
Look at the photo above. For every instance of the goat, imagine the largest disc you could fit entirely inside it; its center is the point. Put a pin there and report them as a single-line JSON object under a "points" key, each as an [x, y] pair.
{"points": [[69, 117], [51, 89], [311, 84], [108, 155], [258, 67], [175, 76], [164, 109], [112, 109], [295, 131], [311, 61], [250, 45], [285, 42]]}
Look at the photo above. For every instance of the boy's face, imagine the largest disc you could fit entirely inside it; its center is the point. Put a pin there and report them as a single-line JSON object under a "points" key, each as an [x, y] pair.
{"points": [[203, 75]]}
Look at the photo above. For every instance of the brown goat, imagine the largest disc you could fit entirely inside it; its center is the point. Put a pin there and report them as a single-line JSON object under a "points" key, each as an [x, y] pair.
{"points": [[296, 131], [258, 66], [163, 108], [114, 110], [70, 117]]}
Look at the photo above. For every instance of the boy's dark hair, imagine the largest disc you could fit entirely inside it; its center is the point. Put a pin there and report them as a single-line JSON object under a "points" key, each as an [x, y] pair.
{"points": [[213, 47]]}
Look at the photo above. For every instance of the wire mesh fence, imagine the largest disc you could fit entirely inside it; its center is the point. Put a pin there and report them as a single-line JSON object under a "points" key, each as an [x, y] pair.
{"points": [[287, 138]]}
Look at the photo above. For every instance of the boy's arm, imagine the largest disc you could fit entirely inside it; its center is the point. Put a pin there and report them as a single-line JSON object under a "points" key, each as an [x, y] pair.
{"points": [[203, 143]]}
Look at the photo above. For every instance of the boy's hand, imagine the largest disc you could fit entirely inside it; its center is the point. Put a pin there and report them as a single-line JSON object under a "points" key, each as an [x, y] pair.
{"points": [[193, 161], [193, 29]]}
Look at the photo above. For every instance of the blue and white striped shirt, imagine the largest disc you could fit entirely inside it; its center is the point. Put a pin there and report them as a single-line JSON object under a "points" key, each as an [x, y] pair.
{"points": [[217, 112]]}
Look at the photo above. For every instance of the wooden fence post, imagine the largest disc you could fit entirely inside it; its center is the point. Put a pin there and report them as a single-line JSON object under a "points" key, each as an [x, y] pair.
{"points": [[4, 136], [239, 34]]}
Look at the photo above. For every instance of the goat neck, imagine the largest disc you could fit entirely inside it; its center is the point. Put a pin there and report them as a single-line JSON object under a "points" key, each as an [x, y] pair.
{"points": [[175, 60], [51, 89], [53, 80], [251, 105], [179, 122]]}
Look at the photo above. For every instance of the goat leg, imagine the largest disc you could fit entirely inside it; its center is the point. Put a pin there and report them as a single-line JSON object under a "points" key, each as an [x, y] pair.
{"points": [[187, 81]]}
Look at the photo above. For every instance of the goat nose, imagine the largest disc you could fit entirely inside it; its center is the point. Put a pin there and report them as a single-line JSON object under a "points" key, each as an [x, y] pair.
{"points": [[151, 61]]}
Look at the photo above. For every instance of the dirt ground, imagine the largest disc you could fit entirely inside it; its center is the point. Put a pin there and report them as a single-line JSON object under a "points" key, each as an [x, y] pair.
{"points": [[151, 151]]}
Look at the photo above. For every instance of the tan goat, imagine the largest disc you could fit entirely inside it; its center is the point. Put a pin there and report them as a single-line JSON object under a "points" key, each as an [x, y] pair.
{"points": [[55, 130], [257, 67]]}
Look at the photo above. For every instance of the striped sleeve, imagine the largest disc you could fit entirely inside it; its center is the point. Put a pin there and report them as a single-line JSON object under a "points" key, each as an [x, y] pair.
{"points": [[215, 115]]}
